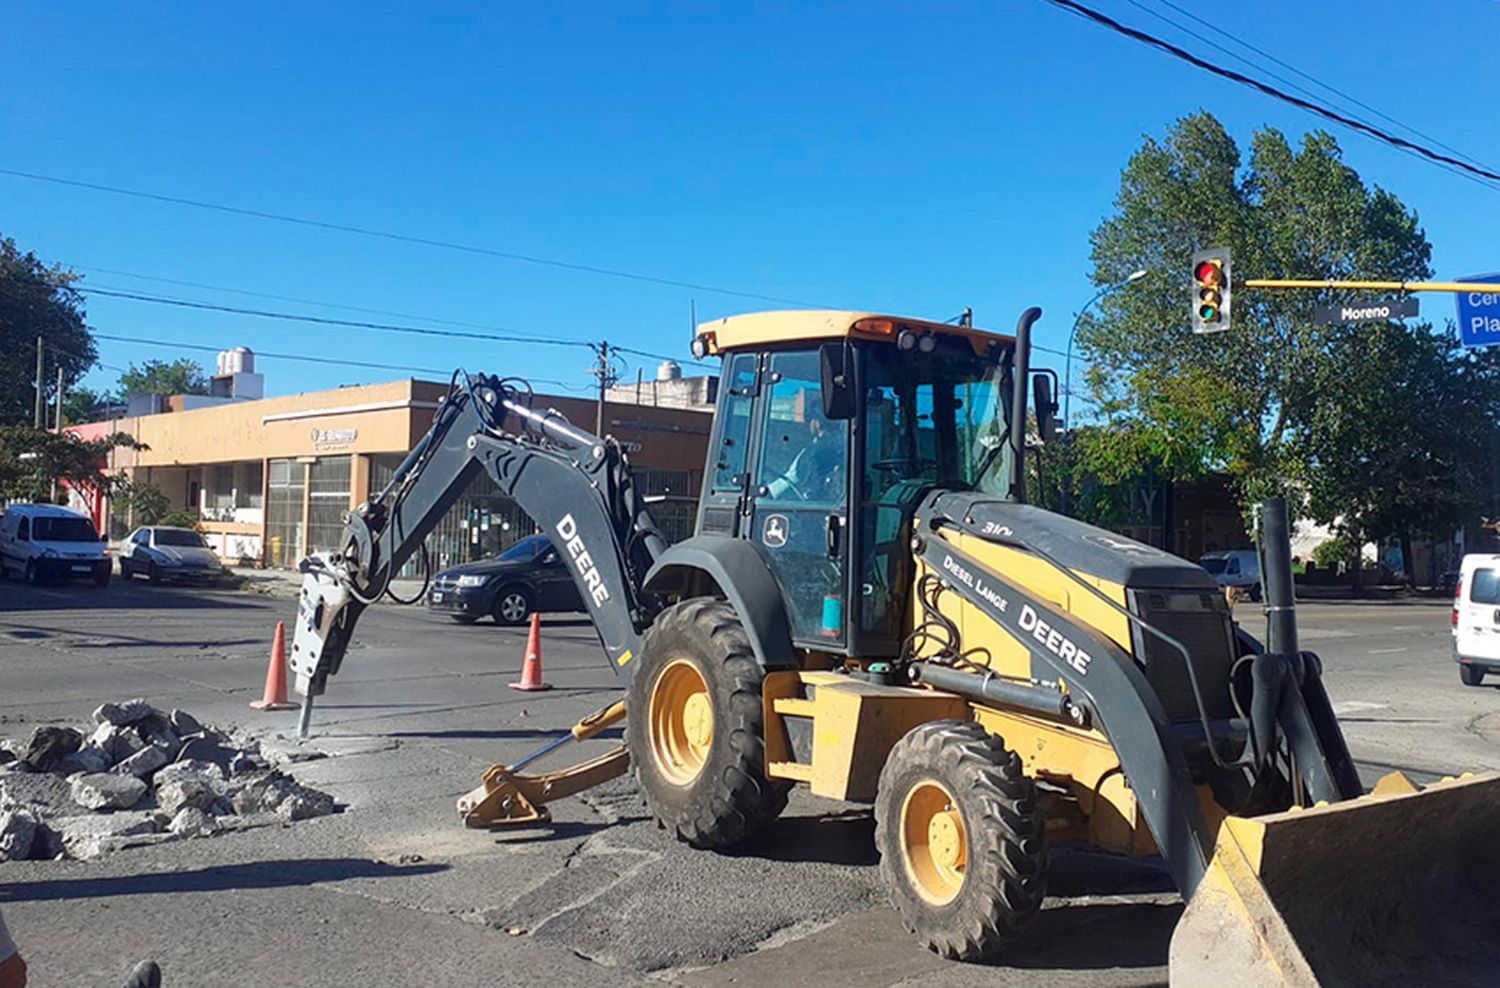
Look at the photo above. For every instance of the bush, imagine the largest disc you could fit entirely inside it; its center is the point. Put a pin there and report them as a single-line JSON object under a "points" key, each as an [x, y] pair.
{"points": [[180, 519], [1333, 553]]}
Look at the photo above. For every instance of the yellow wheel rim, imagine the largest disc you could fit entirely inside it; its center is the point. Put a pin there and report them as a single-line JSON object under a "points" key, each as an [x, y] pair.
{"points": [[934, 843], [682, 722]]}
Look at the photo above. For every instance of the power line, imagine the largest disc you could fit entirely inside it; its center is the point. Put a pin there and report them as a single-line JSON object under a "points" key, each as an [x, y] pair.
{"points": [[323, 320], [1381, 135], [173, 344], [398, 237], [1315, 81]]}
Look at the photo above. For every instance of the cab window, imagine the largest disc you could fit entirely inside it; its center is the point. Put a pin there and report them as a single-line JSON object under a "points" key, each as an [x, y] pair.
{"points": [[802, 455], [732, 441], [23, 530]]}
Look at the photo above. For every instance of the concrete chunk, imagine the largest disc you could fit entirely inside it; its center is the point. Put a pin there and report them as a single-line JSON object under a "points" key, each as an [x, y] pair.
{"points": [[184, 723], [144, 762], [107, 791], [191, 769], [50, 745], [88, 836], [191, 821], [117, 742], [123, 714], [87, 759], [17, 835]]}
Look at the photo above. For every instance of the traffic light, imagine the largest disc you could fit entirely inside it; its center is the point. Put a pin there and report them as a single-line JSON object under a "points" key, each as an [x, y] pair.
{"points": [[1211, 291]]}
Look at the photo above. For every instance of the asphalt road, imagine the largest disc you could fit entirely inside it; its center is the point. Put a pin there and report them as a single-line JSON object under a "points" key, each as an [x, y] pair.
{"points": [[396, 891]]}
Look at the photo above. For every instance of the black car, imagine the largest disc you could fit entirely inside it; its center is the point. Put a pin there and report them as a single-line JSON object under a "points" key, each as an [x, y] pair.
{"points": [[528, 577]]}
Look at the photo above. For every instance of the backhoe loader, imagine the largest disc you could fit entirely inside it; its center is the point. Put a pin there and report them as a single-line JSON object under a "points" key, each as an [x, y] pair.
{"points": [[871, 608]]}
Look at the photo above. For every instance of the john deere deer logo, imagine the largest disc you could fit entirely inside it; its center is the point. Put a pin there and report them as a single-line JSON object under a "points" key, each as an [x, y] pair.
{"points": [[775, 531]]}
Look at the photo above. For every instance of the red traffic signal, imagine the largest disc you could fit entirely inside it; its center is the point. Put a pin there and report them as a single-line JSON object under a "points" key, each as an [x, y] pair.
{"points": [[1211, 290]]}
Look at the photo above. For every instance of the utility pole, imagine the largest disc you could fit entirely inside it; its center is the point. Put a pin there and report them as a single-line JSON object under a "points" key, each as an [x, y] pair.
{"points": [[606, 378], [59, 400], [40, 356]]}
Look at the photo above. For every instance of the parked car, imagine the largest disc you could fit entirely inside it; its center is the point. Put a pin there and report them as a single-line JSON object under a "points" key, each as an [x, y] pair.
{"points": [[159, 552], [528, 577], [1476, 617], [1234, 568], [41, 542]]}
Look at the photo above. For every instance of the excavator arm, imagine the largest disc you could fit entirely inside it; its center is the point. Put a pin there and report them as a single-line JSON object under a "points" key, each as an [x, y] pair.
{"points": [[575, 485]]}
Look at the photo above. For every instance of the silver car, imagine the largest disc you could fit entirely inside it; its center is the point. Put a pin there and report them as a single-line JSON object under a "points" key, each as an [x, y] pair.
{"points": [[162, 553]]}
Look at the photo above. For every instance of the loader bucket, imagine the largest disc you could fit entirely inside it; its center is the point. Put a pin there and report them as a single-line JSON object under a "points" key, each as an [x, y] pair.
{"points": [[1401, 887]]}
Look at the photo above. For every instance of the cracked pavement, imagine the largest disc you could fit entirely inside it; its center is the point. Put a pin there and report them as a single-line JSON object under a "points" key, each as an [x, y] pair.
{"points": [[395, 891]]}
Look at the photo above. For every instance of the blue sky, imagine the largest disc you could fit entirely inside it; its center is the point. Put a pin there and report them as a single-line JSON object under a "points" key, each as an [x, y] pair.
{"points": [[912, 158]]}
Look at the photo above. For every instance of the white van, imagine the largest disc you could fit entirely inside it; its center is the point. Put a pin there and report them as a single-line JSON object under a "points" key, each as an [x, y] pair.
{"points": [[41, 542], [1476, 617], [1234, 568]]}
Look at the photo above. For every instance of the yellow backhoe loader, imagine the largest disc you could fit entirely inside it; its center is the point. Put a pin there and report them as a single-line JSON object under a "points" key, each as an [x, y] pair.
{"points": [[870, 608]]}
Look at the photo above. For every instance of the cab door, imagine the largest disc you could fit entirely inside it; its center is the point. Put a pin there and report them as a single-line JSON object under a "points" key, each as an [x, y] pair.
{"points": [[798, 497], [727, 477]]}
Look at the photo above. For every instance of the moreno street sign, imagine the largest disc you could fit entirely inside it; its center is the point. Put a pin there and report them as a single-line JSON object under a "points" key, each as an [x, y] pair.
{"points": [[1479, 315], [1401, 308]]}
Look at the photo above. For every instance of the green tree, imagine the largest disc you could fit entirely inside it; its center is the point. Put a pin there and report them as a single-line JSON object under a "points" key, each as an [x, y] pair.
{"points": [[1240, 401], [179, 377], [37, 301], [34, 461], [146, 502], [79, 404]]}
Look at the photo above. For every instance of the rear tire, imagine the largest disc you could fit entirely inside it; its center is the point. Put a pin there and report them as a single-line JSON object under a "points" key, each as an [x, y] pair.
{"points": [[1255, 594], [464, 618], [124, 568], [960, 834], [101, 577], [696, 730], [513, 606], [1470, 674]]}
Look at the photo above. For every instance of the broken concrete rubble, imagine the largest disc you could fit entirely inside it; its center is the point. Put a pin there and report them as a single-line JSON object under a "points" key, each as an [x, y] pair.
{"points": [[140, 776], [122, 714], [107, 790]]}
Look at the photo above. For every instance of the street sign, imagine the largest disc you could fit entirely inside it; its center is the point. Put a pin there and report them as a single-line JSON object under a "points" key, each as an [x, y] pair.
{"points": [[1479, 315], [1401, 308]]}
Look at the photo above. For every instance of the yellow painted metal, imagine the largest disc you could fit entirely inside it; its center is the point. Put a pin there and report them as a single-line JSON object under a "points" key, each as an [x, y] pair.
{"points": [[761, 329], [507, 798], [934, 842], [598, 721], [1477, 287], [854, 726], [1393, 889], [681, 719]]}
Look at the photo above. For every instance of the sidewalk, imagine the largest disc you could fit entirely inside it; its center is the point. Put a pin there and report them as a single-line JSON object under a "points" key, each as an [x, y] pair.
{"points": [[287, 582]]}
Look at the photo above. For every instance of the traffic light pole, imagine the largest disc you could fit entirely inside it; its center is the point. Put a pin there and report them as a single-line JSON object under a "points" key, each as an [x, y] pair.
{"points": [[1476, 287]]}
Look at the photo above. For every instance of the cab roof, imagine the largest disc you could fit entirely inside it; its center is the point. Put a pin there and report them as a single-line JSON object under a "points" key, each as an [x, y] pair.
{"points": [[760, 329], [44, 511]]}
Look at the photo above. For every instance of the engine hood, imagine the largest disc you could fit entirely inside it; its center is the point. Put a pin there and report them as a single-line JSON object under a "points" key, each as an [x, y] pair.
{"points": [[187, 555], [1080, 547], [484, 567]]}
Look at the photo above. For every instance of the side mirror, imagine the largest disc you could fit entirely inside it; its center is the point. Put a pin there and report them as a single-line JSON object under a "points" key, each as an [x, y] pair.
{"points": [[1046, 407], [836, 363]]}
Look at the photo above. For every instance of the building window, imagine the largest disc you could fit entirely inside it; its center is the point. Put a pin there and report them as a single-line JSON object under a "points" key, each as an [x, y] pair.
{"points": [[284, 535], [328, 499]]}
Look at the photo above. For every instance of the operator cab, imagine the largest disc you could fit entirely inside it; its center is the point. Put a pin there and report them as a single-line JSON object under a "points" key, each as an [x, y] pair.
{"points": [[830, 428]]}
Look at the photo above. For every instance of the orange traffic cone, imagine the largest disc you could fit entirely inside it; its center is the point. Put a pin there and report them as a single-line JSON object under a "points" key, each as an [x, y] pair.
{"points": [[531, 670], [275, 695]]}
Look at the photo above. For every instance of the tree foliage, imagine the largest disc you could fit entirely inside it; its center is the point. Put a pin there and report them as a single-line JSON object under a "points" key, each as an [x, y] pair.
{"points": [[146, 502], [37, 301], [1351, 418], [31, 460], [161, 377]]}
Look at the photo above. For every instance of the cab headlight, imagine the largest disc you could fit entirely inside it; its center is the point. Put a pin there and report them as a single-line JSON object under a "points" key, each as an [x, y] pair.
{"points": [[49, 553], [472, 581]]}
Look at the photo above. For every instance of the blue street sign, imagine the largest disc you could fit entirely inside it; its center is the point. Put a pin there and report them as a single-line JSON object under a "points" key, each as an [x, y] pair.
{"points": [[1479, 315]]}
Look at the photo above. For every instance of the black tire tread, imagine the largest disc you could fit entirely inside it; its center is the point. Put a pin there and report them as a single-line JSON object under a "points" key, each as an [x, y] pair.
{"points": [[732, 798], [1470, 675], [1006, 877]]}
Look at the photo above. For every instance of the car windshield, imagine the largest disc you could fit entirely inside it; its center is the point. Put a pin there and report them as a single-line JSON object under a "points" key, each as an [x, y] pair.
{"points": [[525, 549], [180, 537], [62, 530], [1214, 566]]}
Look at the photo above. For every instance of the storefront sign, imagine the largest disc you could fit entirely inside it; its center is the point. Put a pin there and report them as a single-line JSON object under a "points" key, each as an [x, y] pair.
{"points": [[326, 439]]}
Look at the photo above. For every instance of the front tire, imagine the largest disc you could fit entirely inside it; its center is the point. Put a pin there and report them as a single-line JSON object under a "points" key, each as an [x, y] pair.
{"points": [[1470, 674], [696, 731], [153, 574], [960, 834], [513, 606], [33, 573], [463, 618], [124, 568]]}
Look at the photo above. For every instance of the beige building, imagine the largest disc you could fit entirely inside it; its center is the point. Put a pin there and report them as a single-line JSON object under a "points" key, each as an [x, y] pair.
{"points": [[270, 478]]}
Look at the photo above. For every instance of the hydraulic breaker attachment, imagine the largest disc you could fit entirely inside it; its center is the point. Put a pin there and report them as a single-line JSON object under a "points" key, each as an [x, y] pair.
{"points": [[1393, 888], [506, 797]]}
